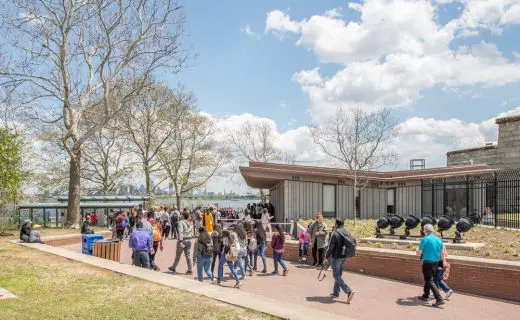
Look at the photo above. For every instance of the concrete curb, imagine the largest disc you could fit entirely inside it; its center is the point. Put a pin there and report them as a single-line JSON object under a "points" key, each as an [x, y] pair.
{"points": [[232, 296]]}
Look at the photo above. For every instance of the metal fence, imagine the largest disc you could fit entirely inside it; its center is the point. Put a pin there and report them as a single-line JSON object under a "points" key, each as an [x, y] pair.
{"points": [[491, 199]]}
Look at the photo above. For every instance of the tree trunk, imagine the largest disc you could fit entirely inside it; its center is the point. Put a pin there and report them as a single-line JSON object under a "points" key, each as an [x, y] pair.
{"points": [[147, 180], [178, 200], [73, 209]]}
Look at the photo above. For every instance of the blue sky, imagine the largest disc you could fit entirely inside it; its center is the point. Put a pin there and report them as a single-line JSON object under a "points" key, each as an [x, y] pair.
{"points": [[463, 69]]}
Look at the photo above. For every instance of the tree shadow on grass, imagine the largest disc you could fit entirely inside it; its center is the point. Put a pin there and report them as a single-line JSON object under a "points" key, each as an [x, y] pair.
{"points": [[324, 300]]}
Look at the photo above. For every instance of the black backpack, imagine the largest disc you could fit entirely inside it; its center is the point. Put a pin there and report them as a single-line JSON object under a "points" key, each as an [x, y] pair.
{"points": [[347, 246], [207, 249]]}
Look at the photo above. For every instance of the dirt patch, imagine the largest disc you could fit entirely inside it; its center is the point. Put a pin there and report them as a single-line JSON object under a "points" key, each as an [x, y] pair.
{"points": [[6, 234]]}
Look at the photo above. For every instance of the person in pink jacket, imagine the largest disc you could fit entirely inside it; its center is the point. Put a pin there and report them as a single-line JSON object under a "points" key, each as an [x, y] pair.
{"points": [[305, 241]]}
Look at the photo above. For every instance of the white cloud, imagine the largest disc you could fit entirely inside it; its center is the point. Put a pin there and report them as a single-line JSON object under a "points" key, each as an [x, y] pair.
{"points": [[284, 104], [247, 30], [493, 15], [516, 55], [395, 51]]}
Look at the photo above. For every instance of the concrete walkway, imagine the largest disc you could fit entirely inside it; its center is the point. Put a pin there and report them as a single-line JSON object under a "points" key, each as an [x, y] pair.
{"points": [[302, 293], [265, 304]]}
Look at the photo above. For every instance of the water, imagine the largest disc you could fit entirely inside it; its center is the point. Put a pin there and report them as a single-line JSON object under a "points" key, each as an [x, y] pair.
{"points": [[190, 204]]}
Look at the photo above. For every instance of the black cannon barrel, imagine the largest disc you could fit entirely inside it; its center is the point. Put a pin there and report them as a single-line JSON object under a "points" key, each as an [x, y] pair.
{"points": [[464, 224], [383, 222], [396, 221], [412, 222], [428, 220], [445, 222]]}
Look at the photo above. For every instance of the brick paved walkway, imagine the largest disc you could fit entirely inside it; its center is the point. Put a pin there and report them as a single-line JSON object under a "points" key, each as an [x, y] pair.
{"points": [[375, 298]]}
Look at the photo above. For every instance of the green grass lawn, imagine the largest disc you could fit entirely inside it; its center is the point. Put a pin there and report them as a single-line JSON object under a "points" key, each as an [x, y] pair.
{"points": [[500, 243], [51, 287]]}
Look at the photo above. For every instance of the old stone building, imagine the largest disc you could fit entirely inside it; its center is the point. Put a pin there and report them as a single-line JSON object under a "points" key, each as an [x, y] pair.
{"points": [[505, 153]]}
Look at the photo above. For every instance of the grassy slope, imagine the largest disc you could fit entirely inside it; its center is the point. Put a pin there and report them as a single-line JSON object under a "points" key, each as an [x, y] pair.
{"points": [[50, 287], [500, 243]]}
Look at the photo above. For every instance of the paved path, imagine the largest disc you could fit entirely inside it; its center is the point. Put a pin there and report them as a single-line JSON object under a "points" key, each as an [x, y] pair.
{"points": [[375, 298]]}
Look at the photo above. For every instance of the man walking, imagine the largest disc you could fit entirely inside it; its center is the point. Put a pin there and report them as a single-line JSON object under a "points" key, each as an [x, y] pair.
{"points": [[140, 242], [430, 250], [174, 218], [184, 244], [341, 246]]}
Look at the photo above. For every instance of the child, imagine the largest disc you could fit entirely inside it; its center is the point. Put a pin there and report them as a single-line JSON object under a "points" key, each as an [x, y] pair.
{"points": [[305, 239], [442, 270]]}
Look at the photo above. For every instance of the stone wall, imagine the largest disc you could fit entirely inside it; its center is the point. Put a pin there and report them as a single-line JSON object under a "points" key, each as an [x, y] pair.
{"points": [[485, 277], [508, 141], [483, 155]]}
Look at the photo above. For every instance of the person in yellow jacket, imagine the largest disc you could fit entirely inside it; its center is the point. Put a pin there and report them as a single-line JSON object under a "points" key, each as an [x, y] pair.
{"points": [[209, 222]]}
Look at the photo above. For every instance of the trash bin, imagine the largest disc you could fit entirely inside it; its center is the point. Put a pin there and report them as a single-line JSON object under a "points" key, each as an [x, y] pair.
{"points": [[107, 249], [87, 241]]}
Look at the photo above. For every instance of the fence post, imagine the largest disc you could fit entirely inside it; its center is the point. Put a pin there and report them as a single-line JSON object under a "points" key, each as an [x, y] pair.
{"points": [[495, 186]]}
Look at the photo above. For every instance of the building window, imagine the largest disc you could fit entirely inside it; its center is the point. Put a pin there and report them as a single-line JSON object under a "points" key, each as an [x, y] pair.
{"points": [[390, 201], [295, 178], [329, 200]]}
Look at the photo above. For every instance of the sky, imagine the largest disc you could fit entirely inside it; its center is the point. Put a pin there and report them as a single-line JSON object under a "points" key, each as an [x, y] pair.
{"points": [[446, 68]]}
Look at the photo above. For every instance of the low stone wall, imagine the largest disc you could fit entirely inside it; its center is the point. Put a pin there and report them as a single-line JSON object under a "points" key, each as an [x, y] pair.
{"points": [[486, 277]]}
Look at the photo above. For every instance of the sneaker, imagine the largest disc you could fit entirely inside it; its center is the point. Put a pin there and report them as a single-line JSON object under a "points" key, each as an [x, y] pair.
{"points": [[274, 272], [448, 294], [254, 269], [285, 272], [438, 303], [304, 258], [423, 298], [156, 268], [238, 284], [189, 272], [334, 296], [264, 270], [350, 296], [172, 269], [219, 282], [250, 273]]}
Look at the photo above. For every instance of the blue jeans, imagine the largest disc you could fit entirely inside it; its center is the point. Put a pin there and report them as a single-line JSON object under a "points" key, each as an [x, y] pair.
{"points": [[243, 259], [302, 249], [221, 261], [260, 250], [439, 282], [141, 259], [203, 262], [278, 259], [337, 272]]}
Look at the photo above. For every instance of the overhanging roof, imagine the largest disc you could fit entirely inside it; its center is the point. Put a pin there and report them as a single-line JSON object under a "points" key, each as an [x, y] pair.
{"points": [[267, 175]]}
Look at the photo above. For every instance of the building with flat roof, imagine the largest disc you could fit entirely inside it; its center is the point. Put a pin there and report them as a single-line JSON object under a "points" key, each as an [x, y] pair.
{"points": [[461, 189]]}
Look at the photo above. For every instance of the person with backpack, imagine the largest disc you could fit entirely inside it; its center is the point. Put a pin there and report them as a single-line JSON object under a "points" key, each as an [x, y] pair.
{"points": [[184, 243], [261, 241], [341, 247], [229, 255], [251, 245], [157, 242], [202, 254], [216, 237], [174, 220], [243, 257], [277, 244]]}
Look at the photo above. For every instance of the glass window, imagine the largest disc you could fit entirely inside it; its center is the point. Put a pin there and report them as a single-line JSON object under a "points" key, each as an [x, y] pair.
{"points": [[329, 198], [390, 201]]}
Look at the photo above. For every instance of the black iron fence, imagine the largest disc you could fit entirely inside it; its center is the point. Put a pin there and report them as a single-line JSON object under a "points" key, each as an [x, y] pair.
{"points": [[490, 199]]}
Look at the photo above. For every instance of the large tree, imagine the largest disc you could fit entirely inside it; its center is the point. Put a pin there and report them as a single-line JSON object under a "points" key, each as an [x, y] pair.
{"points": [[192, 155], [358, 140], [149, 120], [70, 56], [11, 173]]}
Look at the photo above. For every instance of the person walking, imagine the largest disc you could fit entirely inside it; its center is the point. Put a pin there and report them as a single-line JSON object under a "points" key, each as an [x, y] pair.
{"points": [[157, 242], [277, 244], [431, 252], [261, 241], [208, 221], [251, 245], [243, 257], [216, 237], [174, 219], [265, 220], [203, 250], [229, 256], [140, 242], [443, 270], [318, 232], [340, 245], [183, 244]]}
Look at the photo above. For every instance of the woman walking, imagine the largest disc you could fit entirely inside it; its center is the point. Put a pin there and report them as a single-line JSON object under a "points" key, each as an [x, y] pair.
{"points": [[203, 253], [243, 257], [277, 243], [216, 237], [261, 239], [229, 255]]}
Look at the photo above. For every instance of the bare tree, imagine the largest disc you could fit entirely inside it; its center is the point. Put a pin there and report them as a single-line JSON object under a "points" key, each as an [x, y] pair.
{"points": [[70, 56], [106, 160], [254, 141], [149, 120], [358, 140], [192, 156]]}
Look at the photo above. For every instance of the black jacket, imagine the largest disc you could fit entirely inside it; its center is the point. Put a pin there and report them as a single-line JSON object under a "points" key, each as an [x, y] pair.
{"points": [[334, 249]]}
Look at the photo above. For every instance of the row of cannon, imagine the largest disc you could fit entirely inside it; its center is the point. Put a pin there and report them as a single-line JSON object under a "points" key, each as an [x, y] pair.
{"points": [[411, 222]]}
